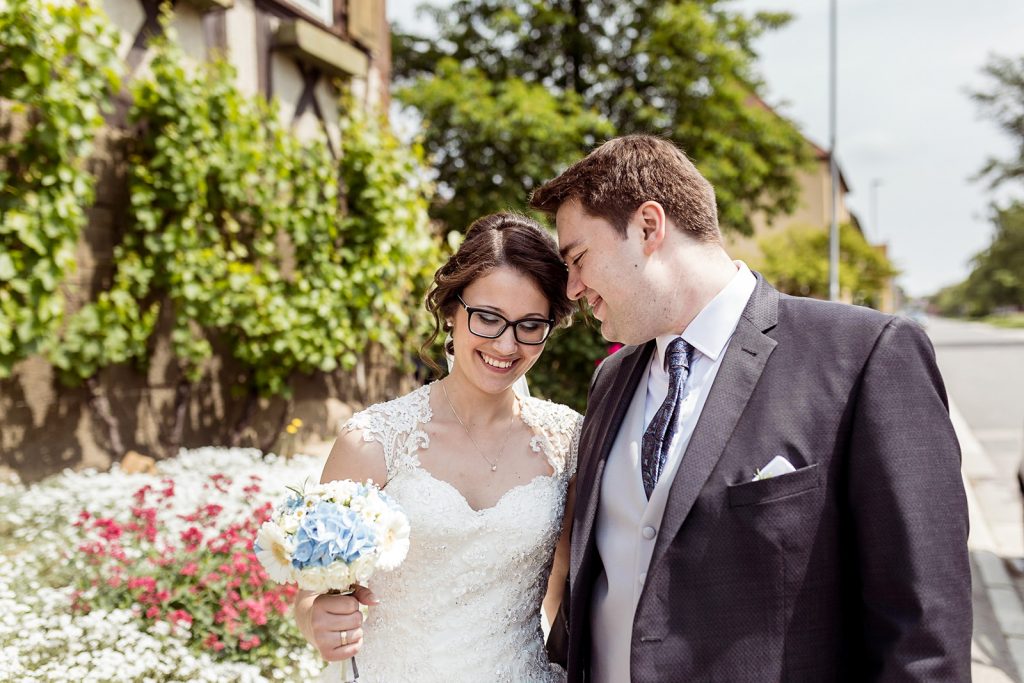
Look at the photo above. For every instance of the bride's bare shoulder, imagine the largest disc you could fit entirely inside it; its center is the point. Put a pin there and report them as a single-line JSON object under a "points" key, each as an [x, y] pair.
{"points": [[353, 457]]}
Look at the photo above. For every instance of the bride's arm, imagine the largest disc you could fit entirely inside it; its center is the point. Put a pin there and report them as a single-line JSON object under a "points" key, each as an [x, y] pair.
{"points": [[560, 565], [321, 618]]}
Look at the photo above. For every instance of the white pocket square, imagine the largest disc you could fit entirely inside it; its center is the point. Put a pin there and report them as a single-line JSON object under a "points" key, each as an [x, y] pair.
{"points": [[778, 465]]}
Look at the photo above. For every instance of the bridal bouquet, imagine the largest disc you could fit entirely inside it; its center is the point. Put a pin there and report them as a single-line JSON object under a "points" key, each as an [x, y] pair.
{"points": [[332, 536]]}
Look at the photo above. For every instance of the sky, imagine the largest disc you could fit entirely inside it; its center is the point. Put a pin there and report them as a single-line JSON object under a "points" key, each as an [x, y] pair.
{"points": [[905, 123]]}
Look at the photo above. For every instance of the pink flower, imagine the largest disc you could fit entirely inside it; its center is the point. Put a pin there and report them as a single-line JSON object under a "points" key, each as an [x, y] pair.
{"points": [[189, 569], [168, 490], [212, 642], [191, 537], [179, 616], [153, 612], [248, 643], [140, 495], [256, 612], [110, 530], [147, 583]]}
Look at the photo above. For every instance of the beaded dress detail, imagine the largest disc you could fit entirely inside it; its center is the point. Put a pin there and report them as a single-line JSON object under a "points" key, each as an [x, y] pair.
{"points": [[465, 604]]}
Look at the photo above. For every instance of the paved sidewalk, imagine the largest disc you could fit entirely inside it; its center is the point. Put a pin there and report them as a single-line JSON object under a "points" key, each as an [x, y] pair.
{"points": [[993, 503]]}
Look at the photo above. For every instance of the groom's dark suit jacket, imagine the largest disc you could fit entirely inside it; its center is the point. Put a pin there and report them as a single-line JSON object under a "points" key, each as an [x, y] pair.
{"points": [[852, 568]]}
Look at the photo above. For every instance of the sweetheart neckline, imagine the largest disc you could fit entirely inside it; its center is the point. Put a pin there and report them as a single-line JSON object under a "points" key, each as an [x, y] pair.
{"points": [[537, 433], [482, 511]]}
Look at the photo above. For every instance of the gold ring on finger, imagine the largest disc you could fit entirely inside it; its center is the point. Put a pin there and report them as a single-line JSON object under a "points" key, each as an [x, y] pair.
{"points": [[344, 638]]}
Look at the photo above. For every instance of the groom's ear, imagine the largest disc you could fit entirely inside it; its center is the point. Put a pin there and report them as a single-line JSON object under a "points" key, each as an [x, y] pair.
{"points": [[650, 217]]}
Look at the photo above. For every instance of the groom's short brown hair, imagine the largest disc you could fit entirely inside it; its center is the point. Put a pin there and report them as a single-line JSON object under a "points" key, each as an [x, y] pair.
{"points": [[616, 178]]}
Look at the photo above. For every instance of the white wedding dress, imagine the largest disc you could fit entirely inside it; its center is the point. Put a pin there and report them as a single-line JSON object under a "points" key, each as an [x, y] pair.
{"points": [[464, 607]]}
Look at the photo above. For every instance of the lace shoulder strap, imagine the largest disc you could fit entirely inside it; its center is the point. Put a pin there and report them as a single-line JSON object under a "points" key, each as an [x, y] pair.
{"points": [[558, 432], [395, 426]]}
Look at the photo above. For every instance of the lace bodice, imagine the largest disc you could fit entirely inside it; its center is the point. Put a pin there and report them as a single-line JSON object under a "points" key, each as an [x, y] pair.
{"points": [[465, 604]]}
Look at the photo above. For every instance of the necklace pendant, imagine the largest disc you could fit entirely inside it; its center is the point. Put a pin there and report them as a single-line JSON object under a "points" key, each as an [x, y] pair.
{"points": [[494, 468]]}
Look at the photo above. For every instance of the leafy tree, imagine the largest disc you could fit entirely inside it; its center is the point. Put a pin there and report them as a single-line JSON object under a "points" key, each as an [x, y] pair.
{"points": [[997, 276], [493, 141], [1004, 104], [512, 91], [796, 261], [563, 372], [683, 69]]}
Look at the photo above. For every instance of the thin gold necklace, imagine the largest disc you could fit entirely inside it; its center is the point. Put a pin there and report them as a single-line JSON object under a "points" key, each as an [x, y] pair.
{"points": [[508, 433]]}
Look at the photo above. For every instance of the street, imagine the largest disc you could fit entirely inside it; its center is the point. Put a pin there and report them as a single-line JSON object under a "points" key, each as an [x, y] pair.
{"points": [[983, 367]]}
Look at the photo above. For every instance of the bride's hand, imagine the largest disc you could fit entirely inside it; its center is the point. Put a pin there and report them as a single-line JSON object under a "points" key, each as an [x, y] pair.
{"points": [[333, 623]]}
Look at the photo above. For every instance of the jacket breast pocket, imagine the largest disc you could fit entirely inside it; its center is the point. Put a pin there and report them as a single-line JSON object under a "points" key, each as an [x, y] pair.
{"points": [[775, 488]]}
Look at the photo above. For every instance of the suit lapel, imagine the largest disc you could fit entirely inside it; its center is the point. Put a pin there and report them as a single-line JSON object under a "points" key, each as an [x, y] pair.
{"points": [[741, 369], [602, 425]]}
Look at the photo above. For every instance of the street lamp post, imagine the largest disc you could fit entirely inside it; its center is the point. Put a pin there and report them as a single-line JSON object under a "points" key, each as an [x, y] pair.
{"points": [[875, 229], [833, 235]]}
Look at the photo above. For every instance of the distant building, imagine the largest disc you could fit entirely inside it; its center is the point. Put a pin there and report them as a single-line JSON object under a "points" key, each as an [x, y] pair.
{"points": [[814, 208]]}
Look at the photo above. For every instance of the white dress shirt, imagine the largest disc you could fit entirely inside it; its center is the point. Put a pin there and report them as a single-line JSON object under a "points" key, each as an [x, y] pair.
{"points": [[627, 522]]}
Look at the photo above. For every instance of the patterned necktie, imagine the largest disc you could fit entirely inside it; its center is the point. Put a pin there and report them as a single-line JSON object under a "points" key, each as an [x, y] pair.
{"points": [[663, 428]]}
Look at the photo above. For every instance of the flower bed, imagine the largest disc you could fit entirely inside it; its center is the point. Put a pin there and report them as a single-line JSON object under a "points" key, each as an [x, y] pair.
{"points": [[131, 577]]}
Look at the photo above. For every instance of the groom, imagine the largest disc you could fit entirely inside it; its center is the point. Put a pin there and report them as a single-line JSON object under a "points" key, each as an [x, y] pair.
{"points": [[769, 486]]}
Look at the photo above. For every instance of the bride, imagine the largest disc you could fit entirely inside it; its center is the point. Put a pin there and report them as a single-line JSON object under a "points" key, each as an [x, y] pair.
{"points": [[483, 474]]}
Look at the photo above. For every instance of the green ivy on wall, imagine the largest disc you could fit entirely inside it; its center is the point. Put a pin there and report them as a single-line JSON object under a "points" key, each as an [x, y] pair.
{"points": [[238, 233], [58, 65], [242, 238]]}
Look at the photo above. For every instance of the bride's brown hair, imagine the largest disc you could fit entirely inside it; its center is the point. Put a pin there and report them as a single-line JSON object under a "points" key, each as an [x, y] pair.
{"points": [[500, 239]]}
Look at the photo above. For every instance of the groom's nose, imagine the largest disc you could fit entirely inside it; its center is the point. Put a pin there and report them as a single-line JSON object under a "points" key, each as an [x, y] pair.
{"points": [[574, 286]]}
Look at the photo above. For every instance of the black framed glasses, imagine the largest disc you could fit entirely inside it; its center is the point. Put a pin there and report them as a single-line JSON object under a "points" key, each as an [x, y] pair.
{"points": [[486, 323]]}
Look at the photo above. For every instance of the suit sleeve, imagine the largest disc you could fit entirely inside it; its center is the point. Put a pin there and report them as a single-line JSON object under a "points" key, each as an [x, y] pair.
{"points": [[909, 511], [558, 637]]}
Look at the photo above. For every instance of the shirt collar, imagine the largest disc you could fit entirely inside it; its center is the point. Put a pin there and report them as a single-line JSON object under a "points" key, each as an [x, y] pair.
{"points": [[711, 329]]}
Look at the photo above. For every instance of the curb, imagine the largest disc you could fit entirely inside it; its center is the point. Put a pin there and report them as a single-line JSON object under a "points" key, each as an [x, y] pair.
{"points": [[995, 579]]}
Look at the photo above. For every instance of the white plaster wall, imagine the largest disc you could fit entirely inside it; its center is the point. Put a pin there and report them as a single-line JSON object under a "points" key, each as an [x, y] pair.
{"points": [[128, 17], [240, 24]]}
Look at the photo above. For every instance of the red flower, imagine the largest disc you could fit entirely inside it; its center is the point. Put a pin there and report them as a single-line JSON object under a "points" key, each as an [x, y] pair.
{"points": [[153, 612], [189, 569]]}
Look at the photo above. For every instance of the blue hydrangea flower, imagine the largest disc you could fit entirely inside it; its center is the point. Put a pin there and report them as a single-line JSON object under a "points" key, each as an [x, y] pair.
{"points": [[328, 533]]}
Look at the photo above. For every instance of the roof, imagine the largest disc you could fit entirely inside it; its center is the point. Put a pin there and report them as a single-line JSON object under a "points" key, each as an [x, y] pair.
{"points": [[820, 154]]}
